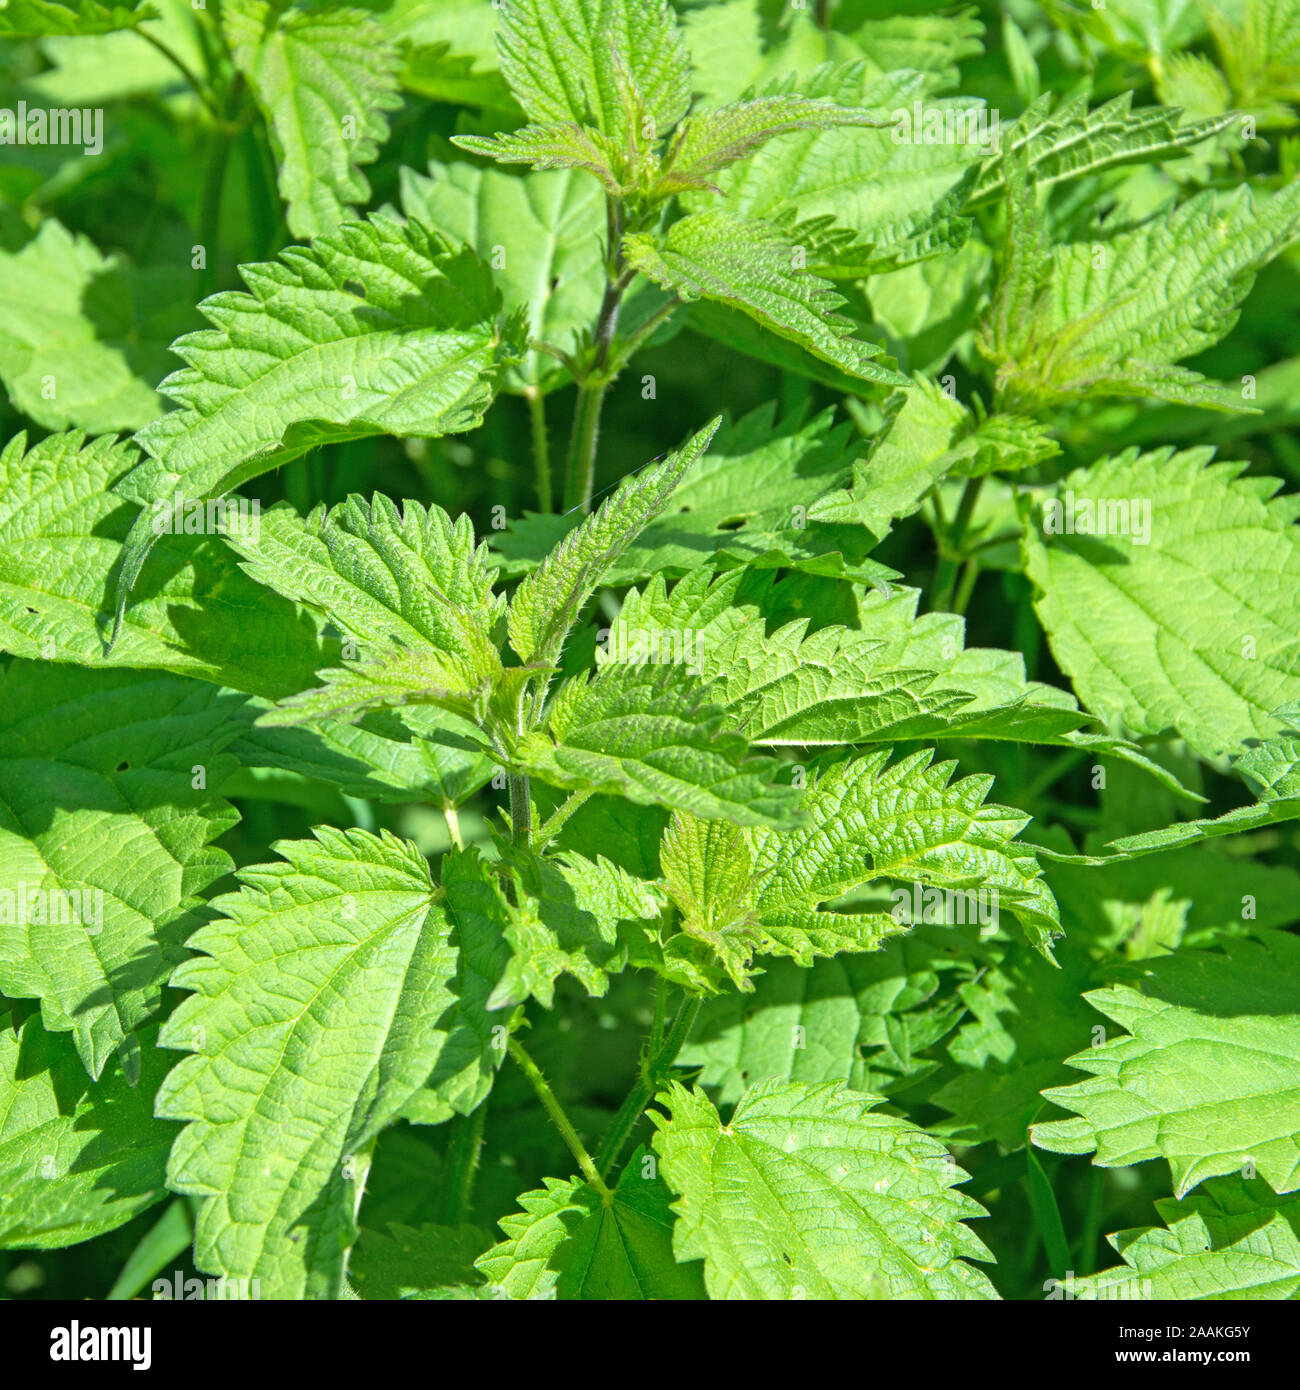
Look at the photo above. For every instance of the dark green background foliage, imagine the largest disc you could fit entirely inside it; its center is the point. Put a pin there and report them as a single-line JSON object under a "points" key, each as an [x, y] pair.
{"points": [[754, 748]]}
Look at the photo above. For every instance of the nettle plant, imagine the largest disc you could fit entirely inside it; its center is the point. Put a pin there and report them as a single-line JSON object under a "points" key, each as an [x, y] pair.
{"points": [[714, 977]]}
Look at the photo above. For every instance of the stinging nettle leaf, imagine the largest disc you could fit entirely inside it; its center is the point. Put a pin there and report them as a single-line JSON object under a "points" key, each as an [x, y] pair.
{"points": [[1204, 1075], [409, 589], [754, 268], [551, 147], [1062, 139], [83, 336], [322, 1002], [711, 140], [106, 830], [568, 1243], [325, 80], [550, 599], [1233, 1238], [573, 61], [1154, 619], [653, 736], [379, 328], [807, 1192], [76, 1159], [65, 507], [1113, 314]]}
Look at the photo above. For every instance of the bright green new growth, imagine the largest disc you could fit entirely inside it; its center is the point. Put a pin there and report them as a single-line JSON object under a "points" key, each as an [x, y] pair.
{"points": [[692, 872], [548, 602]]}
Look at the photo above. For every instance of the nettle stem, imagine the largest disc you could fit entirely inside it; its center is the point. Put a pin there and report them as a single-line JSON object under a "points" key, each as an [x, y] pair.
{"points": [[541, 448], [945, 574], [654, 1072], [556, 1111], [521, 815], [580, 474], [463, 1162]]}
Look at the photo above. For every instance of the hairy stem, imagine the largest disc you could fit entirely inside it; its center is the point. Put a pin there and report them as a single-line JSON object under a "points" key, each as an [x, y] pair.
{"points": [[450, 815], [463, 1159], [654, 1073], [558, 1118], [541, 448], [661, 1010], [521, 815]]}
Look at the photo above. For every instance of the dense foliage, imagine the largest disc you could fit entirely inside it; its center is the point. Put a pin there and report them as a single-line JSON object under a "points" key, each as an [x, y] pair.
{"points": [[692, 688]]}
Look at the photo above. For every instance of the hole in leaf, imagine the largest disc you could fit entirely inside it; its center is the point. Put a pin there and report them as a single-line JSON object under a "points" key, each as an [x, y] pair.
{"points": [[122, 766]]}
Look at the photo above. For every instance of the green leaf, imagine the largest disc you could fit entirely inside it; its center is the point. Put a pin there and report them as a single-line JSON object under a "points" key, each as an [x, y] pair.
{"points": [[711, 140], [425, 1262], [45, 18], [743, 501], [891, 676], [65, 507], [554, 147], [410, 591], [1118, 310], [708, 868], [1259, 51], [907, 823], [379, 328], [550, 599], [324, 993], [83, 336], [928, 436], [536, 231], [862, 200], [1025, 1017], [1205, 1075], [105, 841], [594, 62], [752, 267], [1152, 616], [566, 919], [1232, 1239], [747, 892], [1062, 139], [324, 80], [806, 1193], [567, 1243], [416, 754], [654, 737], [864, 1020], [76, 1160]]}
